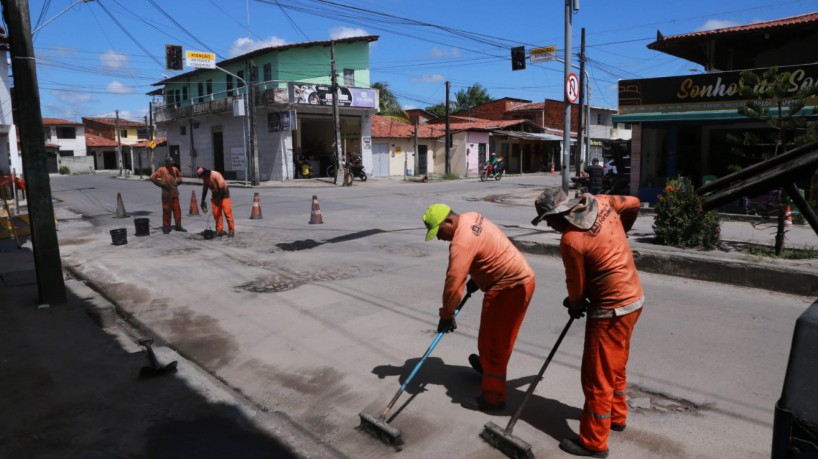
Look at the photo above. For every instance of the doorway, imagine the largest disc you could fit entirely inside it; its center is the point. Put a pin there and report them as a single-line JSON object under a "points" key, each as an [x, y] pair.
{"points": [[218, 149], [423, 154], [109, 160], [380, 160]]}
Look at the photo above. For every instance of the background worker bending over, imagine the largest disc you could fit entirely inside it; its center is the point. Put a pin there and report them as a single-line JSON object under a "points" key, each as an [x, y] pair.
{"points": [[220, 201]]}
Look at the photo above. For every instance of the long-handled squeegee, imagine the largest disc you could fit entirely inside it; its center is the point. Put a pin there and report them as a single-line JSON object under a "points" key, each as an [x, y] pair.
{"points": [[503, 439], [378, 426]]}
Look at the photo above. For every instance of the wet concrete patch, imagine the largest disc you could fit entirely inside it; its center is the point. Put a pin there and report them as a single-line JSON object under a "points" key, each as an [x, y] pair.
{"points": [[402, 250], [647, 401], [66, 242], [186, 251], [284, 279], [294, 246], [201, 338]]}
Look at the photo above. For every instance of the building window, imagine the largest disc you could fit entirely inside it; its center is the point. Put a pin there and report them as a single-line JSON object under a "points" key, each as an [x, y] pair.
{"points": [[66, 133], [184, 92], [65, 153], [349, 78], [209, 84], [177, 98], [123, 133], [240, 74], [599, 118], [201, 91], [267, 69], [47, 133], [141, 133], [229, 81], [183, 130]]}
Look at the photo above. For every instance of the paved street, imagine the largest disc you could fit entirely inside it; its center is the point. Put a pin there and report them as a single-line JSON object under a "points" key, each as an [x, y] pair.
{"points": [[324, 321]]}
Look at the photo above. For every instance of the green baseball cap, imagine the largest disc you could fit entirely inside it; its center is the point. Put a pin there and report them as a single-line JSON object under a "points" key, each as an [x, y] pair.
{"points": [[434, 216]]}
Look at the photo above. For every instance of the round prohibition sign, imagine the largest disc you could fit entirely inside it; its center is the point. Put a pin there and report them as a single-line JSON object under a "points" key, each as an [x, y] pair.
{"points": [[572, 88]]}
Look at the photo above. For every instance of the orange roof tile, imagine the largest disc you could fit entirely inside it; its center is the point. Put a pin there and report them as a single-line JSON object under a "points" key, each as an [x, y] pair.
{"points": [[112, 121], [144, 144], [794, 20], [59, 122], [92, 140]]}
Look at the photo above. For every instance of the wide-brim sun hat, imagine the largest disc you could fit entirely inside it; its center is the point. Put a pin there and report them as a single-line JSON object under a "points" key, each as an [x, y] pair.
{"points": [[433, 217], [580, 211]]}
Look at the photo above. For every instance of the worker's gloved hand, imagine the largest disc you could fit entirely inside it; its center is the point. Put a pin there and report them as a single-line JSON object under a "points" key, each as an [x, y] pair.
{"points": [[446, 325], [575, 313], [204, 207], [471, 286]]}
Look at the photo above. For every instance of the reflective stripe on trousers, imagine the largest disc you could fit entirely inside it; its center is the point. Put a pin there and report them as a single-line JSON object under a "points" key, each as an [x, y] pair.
{"points": [[503, 313], [604, 362], [227, 208]]}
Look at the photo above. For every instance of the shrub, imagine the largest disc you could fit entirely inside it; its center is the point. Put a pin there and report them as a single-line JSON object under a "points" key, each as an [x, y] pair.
{"points": [[680, 220], [64, 170]]}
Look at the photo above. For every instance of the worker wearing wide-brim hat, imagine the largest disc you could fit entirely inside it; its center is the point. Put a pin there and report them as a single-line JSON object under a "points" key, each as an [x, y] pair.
{"points": [[478, 248], [603, 282]]}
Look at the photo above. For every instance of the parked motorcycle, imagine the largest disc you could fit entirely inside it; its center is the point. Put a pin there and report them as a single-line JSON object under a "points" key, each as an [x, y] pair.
{"points": [[356, 166], [489, 171], [304, 169]]}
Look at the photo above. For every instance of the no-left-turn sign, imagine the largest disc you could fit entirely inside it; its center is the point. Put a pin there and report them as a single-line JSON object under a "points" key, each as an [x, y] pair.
{"points": [[572, 88]]}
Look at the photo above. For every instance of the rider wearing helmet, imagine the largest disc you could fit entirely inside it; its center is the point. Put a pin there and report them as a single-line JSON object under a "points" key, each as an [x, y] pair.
{"points": [[495, 163]]}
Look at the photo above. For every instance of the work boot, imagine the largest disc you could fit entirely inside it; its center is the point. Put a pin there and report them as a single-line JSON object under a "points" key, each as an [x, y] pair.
{"points": [[165, 230], [221, 234], [573, 446], [180, 229], [618, 427], [231, 234], [474, 361], [479, 404]]}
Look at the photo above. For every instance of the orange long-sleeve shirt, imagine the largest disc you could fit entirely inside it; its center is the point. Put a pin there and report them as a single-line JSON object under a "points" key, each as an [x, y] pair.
{"points": [[168, 178], [599, 262], [480, 250]]}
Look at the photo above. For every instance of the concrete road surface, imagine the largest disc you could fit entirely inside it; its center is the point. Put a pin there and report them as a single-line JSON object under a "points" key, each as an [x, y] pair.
{"points": [[325, 321]]}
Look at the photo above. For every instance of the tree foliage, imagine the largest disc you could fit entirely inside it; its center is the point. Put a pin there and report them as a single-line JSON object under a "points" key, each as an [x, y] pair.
{"points": [[471, 97], [388, 104], [680, 220]]}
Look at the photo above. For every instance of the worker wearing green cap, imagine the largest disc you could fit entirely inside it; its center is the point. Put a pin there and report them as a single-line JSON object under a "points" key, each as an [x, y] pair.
{"points": [[479, 249]]}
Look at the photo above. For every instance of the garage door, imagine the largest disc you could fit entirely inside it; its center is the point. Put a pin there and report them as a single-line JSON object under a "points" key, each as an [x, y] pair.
{"points": [[380, 159]]}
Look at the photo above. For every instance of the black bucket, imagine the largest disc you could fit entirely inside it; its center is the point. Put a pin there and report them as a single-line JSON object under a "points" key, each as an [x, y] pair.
{"points": [[142, 226], [119, 236]]}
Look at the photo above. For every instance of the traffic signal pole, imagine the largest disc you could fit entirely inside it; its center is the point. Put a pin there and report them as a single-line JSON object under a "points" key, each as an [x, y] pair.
{"points": [[47, 264]]}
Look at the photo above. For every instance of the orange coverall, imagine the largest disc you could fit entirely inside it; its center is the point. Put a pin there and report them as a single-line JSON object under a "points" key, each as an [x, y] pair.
{"points": [[599, 266], [480, 250], [169, 178], [220, 200]]}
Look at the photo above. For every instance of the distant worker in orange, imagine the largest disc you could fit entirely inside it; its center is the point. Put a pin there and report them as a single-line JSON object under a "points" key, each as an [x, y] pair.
{"points": [[168, 178], [220, 201], [602, 280], [479, 249]]}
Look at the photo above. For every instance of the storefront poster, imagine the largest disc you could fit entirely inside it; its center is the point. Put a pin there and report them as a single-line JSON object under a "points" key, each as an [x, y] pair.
{"points": [[281, 121], [321, 94]]}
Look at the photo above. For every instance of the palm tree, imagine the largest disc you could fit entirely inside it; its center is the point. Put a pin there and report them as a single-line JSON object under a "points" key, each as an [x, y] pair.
{"points": [[388, 102]]}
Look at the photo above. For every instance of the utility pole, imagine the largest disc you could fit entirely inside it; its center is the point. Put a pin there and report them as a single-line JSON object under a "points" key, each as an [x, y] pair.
{"points": [[50, 283], [581, 121], [566, 135], [252, 70], [150, 137], [415, 167], [448, 133], [335, 118], [118, 145]]}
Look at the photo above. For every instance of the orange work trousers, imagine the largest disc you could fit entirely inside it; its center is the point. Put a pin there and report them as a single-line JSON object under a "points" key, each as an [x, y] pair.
{"points": [[607, 343], [227, 208], [503, 313], [171, 204]]}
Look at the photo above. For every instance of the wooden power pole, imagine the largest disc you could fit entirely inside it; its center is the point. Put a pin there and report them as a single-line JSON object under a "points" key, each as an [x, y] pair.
{"points": [[50, 283]]}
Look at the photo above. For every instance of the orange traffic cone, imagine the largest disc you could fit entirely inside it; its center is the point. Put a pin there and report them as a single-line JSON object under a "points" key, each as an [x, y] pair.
{"points": [[194, 208], [552, 167], [120, 208], [788, 216], [256, 213], [315, 214]]}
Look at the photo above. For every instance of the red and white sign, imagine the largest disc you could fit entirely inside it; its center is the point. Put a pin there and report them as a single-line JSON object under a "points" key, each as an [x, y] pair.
{"points": [[572, 88]]}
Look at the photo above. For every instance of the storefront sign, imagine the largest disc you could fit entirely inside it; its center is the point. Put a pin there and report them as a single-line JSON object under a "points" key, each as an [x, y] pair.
{"points": [[238, 158], [281, 121], [321, 94], [704, 92]]}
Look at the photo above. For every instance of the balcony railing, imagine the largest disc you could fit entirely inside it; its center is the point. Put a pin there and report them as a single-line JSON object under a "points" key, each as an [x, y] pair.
{"points": [[165, 112]]}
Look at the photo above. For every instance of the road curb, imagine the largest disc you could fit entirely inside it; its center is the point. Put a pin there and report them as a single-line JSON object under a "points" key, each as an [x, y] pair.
{"points": [[739, 273]]}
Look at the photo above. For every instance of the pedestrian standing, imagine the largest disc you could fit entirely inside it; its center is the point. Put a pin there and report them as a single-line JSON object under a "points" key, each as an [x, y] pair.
{"points": [[595, 174], [479, 249], [603, 282], [214, 181], [168, 178]]}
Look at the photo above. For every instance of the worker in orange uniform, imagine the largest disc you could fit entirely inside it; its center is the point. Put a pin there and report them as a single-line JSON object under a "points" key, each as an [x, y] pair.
{"points": [[479, 249], [220, 201], [168, 178], [602, 280]]}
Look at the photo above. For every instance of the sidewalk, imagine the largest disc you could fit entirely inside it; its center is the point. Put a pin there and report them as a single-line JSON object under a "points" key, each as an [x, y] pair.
{"points": [[70, 389]]}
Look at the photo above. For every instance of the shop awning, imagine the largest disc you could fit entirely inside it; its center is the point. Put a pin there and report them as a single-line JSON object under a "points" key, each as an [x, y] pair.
{"points": [[704, 115], [532, 136]]}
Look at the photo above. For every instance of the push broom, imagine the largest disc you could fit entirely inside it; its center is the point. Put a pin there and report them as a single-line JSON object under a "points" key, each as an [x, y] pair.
{"points": [[503, 439], [377, 425]]}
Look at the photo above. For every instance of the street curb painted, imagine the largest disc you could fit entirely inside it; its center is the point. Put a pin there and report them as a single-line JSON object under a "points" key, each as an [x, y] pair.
{"points": [[739, 273]]}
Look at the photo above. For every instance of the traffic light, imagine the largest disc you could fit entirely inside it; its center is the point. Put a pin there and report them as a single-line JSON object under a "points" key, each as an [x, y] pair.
{"points": [[518, 58], [173, 57]]}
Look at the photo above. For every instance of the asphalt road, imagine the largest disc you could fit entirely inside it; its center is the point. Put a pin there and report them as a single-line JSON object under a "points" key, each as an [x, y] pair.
{"points": [[324, 321]]}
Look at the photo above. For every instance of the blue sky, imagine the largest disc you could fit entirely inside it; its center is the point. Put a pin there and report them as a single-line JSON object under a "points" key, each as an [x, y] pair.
{"points": [[102, 55]]}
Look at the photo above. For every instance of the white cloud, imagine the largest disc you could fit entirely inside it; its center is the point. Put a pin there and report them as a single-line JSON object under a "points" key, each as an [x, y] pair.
{"points": [[113, 60], [72, 99], [713, 24], [410, 107], [116, 87], [429, 78], [440, 53], [337, 33], [138, 115], [245, 45]]}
